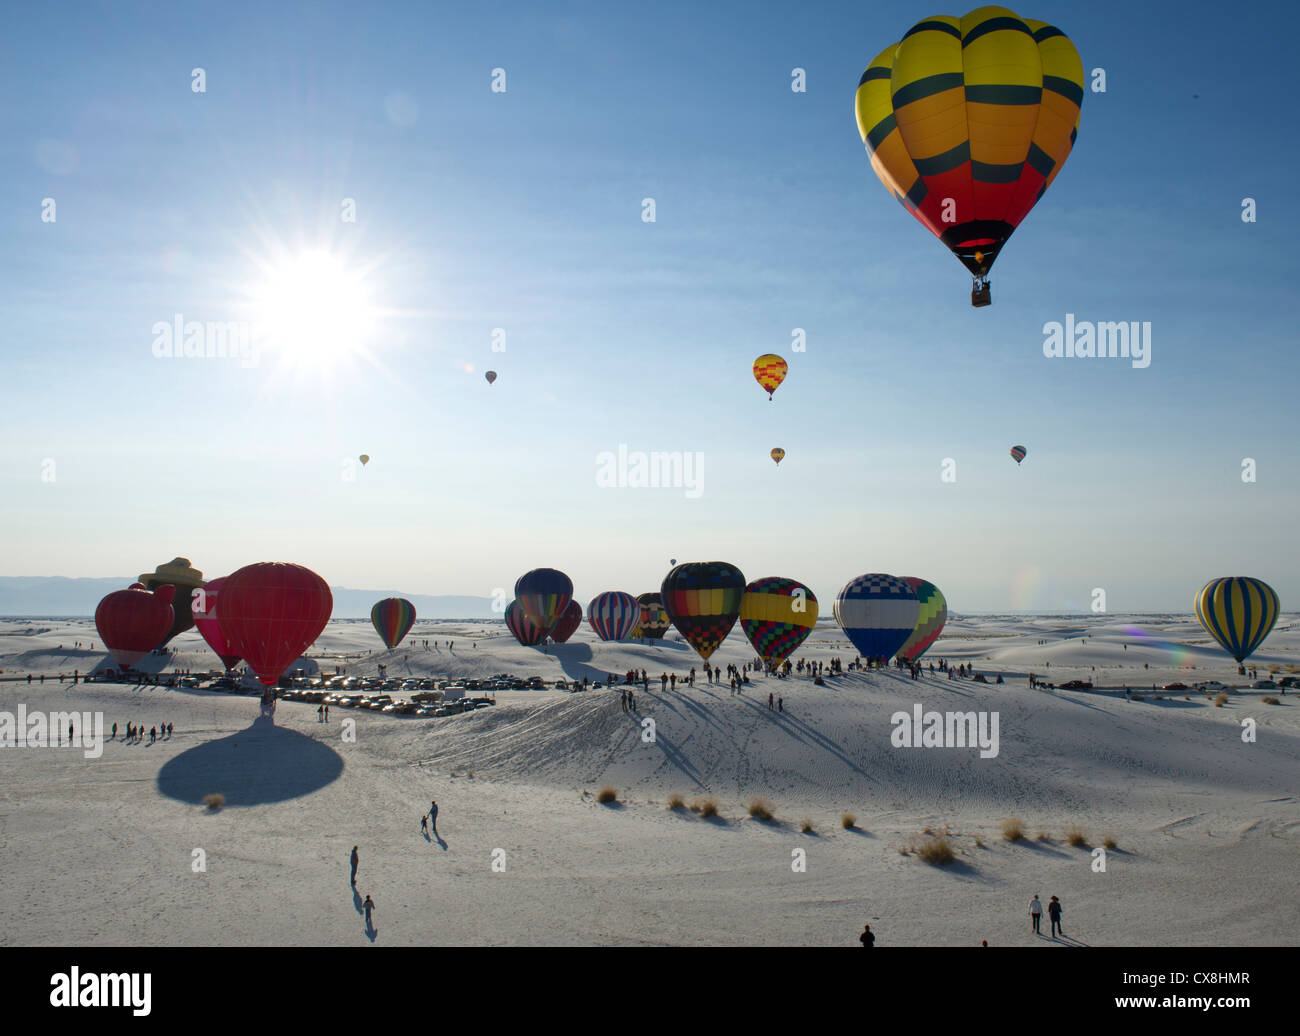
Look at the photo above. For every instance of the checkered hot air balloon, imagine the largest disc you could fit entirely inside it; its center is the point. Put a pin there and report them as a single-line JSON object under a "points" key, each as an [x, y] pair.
{"points": [[932, 615], [770, 371], [877, 612], [702, 599], [613, 614], [653, 621], [777, 615], [1238, 612]]}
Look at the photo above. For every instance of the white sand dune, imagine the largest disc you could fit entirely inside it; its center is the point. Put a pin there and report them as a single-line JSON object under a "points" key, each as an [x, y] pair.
{"points": [[99, 851]]}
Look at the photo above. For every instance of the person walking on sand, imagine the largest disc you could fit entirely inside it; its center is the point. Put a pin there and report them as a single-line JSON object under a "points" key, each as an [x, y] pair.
{"points": [[424, 825], [770, 700], [355, 858], [1054, 912], [868, 937], [1036, 913], [369, 904], [433, 818]]}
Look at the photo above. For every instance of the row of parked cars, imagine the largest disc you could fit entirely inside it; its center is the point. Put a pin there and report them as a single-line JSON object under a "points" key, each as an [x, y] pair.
{"points": [[424, 703]]}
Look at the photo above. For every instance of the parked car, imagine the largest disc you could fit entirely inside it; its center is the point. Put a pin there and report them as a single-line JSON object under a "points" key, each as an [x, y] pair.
{"points": [[1176, 686], [1076, 685], [1210, 685], [1289, 681], [1264, 685]]}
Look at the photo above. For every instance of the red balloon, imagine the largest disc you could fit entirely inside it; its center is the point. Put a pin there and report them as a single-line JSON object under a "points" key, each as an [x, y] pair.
{"points": [[205, 619], [270, 614], [134, 621], [569, 621]]}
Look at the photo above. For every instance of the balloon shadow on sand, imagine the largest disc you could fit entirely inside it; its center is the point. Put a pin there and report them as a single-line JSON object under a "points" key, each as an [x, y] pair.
{"points": [[256, 766]]}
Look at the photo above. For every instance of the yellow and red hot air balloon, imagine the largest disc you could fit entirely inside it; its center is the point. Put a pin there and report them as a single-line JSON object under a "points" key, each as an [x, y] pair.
{"points": [[770, 371], [778, 454], [491, 376], [968, 121]]}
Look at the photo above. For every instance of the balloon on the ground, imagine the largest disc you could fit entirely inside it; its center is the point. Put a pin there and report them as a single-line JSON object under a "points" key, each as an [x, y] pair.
{"points": [[777, 615], [1238, 612], [491, 376], [968, 121], [203, 606], [543, 594], [769, 371], [702, 599], [393, 618], [271, 612], [567, 623], [527, 632], [1018, 454], [877, 612], [178, 573], [931, 616], [134, 621], [613, 614], [653, 621], [778, 454]]}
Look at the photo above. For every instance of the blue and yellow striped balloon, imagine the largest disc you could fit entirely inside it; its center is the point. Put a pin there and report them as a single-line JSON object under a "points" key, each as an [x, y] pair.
{"points": [[1238, 612]]}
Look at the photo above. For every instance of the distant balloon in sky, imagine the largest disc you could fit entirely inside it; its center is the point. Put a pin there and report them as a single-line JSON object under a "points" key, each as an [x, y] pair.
{"points": [[365, 459], [702, 599], [769, 371], [931, 616], [1018, 454], [527, 632], [653, 621], [567, 623], [1238, 612], [271, 612], [204, 608], [777, 615], [180, 574], [134, 621], [491, 376], [778, 454], [393, 618], [672, 561], [877, 612], [543, 594], [613, 615]]}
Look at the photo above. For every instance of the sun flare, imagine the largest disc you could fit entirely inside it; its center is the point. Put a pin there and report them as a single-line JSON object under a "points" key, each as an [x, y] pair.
{"points": [[313, 312]]}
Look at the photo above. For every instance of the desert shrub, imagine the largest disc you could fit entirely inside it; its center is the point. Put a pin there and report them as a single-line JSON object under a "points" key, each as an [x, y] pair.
{"points": [[1220, 700], [806, 826], [1076, 836], [1110, 843], [676, 801], [848, 821], [1013, 830], [936, 852], [1043, 836], [705, 807], [214, 802], [607, 794], [1268, 699], [761, 809], [927, 831], [979, 843]]}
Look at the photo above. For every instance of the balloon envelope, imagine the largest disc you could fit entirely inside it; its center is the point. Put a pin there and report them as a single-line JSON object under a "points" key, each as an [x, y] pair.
{"points": [[1238, 612], [491, 376], [778, 454], [365, 459], [567, 623], [203, 606], [527, 632], [878, 613], [968, 120], [777, 615], [931, 616], [702, 599], [1018, 454], [393, 618], [769, 371], [271, 612], [180, 574], [653, 621], [134, 621], [613, 614], [543, 594]]}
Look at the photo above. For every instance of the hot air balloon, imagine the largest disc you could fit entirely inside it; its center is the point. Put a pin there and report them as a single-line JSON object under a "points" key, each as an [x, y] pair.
{"points": [[770, 371], [930, 619], [672, 561], [967, 122], [778, 454], [134, 621], [653, 621], [491, 376], [567, 623], [877, 612], [702, 599], [613, 615], [271, 612], [1018, 454], [527, 632], [178, 573], [777, 615], [543, 594], [1238, 612], [204, 608], [393, 618], [365, 459]]}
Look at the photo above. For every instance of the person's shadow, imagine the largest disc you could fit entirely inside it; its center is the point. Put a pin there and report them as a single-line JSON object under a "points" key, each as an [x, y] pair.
{"points": [[357, 903], [372, 933]]}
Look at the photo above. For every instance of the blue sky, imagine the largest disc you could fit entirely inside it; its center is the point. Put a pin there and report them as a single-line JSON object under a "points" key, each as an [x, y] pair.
{"points": [[522, 210]]}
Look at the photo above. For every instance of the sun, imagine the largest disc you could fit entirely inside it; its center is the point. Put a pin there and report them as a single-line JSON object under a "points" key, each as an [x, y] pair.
{"points": [[312, 312]]}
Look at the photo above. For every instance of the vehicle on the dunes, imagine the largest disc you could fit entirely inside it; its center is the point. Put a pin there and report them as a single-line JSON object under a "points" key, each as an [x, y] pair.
{"points": [[1210, 685], [1076, 685], [1176, 686], [1264, 685]]}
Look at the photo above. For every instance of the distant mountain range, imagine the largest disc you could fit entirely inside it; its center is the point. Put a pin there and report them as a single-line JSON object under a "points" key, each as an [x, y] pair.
{"points": [[57, 596]]}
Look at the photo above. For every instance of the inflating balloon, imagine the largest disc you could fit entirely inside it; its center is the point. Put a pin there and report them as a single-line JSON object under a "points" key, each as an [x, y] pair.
{"points": [[770, 371], [967, 122], [877, 612], [527, 632], [178, 573], [271, 612], [567, 623], [134, 621], [1238, 612], [702, 599], [1018, 454], [930, 619], [613, 615], [777, 615], [491, 376], [653, 621], [393, 618], [543, 594], [203, 606], [778, 454]]}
